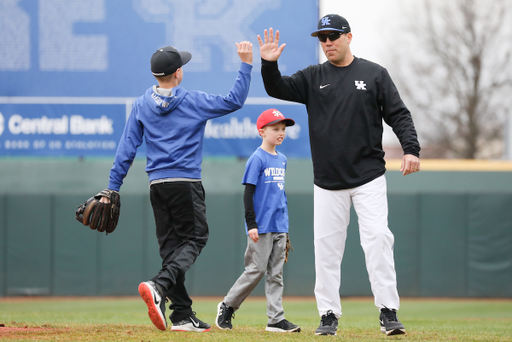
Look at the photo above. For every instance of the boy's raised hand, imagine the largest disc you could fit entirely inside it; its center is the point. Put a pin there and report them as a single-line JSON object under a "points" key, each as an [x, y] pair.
{"points": [[270, 50], [244, 50]]}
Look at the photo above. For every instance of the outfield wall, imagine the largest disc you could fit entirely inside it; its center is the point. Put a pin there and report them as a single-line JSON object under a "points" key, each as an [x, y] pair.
{"points": [[453, 231]]}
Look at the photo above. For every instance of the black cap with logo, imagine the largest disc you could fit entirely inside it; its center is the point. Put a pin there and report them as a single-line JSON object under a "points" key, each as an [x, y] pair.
{"points": [[167, 60], [332, 22]]}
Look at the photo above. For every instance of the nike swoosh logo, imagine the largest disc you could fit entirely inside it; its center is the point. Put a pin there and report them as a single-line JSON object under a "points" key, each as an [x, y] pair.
{"points": [[325, 85], [195, 324], [157, 300]]}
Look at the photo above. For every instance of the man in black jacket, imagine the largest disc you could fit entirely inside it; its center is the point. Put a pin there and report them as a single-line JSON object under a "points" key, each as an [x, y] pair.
{"points": [[347, 98]]}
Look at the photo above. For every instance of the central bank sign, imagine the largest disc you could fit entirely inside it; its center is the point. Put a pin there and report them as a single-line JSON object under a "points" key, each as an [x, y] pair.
{"points": [[61, 131], [75, 125], [95, 129]]}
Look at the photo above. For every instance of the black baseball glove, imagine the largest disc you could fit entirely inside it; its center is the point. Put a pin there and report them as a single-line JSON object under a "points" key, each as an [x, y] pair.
{"points": [[100, 216]]}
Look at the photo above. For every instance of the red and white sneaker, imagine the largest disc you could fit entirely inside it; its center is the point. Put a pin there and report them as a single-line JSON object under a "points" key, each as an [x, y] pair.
{"points": [[152, 295]]}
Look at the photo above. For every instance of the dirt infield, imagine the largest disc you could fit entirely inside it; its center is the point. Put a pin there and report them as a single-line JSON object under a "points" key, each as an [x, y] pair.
{"points": [[13, 326], [4, 330], [14, 332]]}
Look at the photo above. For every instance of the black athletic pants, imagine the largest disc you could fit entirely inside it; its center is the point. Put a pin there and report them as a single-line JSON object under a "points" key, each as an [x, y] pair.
{"points": [[182, 232]]}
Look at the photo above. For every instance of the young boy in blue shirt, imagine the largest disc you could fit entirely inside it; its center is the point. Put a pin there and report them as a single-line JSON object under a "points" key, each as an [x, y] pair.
{"points": [[266, 216], [172, 120]]}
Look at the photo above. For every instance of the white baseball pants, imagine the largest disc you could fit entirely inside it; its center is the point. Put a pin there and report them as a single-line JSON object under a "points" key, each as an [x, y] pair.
{"points": [[331, 219]]}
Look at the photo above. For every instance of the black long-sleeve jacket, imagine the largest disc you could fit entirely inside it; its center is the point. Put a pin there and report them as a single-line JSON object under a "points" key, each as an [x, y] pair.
{"points": [[346, 107]]}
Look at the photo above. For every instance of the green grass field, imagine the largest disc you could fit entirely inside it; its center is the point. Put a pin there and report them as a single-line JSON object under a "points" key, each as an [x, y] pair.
{"points": [[125, 319]]}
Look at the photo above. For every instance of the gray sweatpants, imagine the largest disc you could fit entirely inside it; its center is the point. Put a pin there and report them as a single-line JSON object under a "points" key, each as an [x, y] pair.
{"points": [[265, 257]]}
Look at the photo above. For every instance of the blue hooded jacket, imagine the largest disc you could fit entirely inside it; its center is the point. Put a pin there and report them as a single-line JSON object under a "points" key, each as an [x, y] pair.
{"points": [[173, 127]]}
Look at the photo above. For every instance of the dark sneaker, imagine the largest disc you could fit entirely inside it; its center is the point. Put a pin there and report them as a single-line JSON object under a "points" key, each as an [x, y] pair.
{"points": [[152, 294], [192, 323], [224, 316], [328, 324], [283, 326], [389, 323]]}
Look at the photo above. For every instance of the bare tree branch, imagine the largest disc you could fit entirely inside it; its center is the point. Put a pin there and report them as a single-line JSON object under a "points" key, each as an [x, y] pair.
{"points": [[458, 74]]}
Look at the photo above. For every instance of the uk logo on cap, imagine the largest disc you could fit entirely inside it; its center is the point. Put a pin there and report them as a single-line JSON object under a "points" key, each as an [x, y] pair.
{"points": [[326, 21], [277, 113]]}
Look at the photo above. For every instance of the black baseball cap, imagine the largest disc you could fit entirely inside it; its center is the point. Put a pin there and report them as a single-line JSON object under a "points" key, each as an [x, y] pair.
{"points": [[165, 61], [332, 22]]}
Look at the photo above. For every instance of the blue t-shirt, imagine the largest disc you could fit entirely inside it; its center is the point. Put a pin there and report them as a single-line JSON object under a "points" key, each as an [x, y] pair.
{"points": [[267, 172]]}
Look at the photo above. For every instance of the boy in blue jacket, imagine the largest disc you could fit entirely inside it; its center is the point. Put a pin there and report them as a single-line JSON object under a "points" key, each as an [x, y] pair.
{"points": [[173, 121]]}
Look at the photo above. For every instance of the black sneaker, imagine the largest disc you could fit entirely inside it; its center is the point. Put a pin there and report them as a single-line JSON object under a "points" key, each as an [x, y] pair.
{"points": [[153, 296], [283, 326], [192, 323], [389, 323], [224, 316], [328, 324]]}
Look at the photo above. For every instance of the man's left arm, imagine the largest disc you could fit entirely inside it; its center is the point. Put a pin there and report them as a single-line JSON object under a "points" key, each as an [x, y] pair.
{"points": [[398, 117]]}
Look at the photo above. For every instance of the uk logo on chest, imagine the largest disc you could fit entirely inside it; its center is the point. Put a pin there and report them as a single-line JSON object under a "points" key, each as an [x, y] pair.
{"points": [[360, 85]]}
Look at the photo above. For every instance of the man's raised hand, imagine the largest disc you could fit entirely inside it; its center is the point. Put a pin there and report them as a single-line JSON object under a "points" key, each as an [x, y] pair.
{"points": [[270, 49]]}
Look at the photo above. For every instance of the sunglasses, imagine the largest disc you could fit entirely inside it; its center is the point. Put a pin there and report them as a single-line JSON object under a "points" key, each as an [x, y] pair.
{"points": [[332, 36]]}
